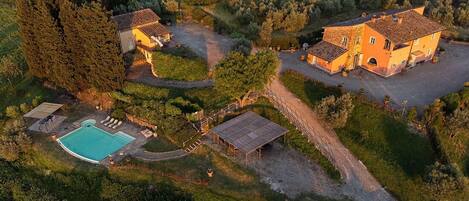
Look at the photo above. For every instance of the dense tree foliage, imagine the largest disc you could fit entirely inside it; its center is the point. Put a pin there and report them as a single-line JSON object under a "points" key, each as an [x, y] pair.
{"points": [[72, 47], [335, 111], [238, 75]]}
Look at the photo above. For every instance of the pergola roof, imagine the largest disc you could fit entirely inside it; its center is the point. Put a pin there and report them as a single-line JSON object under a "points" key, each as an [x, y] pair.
{"points": [[43, 110], [249, 131]]}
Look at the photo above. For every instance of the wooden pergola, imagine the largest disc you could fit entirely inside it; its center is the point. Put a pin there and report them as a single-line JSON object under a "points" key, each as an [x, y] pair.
{"points": [[246, 134]]}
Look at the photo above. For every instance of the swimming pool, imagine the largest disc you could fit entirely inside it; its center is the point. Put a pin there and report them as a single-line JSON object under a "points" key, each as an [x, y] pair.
{"points": [[91, 143]]}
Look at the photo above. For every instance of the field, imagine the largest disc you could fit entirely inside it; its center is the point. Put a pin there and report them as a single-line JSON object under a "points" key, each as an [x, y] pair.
{"points": [[24, 90], [176, 67], [393, 154]]}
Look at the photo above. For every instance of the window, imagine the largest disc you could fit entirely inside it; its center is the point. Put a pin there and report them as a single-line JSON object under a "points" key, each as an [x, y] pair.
{"points": [[416, 42], [372, 40], [358, 40], [373, 62], [387, 44], [344, 41]]}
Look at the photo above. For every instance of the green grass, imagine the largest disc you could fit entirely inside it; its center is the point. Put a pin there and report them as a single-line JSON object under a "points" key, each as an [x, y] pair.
{"points": [[159, 144], [394, 155], [294, 138], [9, 37], [172, 67]]}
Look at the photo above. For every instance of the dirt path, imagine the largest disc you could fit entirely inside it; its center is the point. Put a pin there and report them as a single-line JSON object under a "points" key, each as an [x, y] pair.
{"points": [[292, 173], [359, 184]]}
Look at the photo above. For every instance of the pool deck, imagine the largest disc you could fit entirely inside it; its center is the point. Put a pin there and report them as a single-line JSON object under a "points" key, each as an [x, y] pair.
{"points": [[126, 127]]}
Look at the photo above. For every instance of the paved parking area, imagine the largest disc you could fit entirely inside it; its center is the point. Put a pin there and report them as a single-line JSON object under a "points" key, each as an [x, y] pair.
{"points": [[419, 85], [204, 42]]}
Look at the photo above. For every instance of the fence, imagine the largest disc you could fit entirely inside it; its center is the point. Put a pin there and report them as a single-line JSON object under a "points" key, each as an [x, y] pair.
{"points": [[203, 124], [296, 119]]}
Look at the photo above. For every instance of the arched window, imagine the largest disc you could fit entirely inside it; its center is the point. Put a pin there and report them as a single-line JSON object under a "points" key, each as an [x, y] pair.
{"points": [[372, 61]]}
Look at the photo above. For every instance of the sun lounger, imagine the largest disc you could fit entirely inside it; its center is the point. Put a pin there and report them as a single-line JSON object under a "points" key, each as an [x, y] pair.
{"points": [[113, 123], [117, 125], [110, 122], [107, 119]]}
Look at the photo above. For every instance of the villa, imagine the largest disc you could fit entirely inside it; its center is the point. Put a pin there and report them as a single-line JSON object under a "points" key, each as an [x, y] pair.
{"points": [[142, 30], [383, 43]]}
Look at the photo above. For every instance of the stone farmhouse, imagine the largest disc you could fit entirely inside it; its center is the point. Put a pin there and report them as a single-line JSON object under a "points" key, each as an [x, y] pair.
{"points": [[141, 30], [383, 43]]}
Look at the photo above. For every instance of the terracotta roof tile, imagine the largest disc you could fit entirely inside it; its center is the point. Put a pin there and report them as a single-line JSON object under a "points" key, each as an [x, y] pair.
{"points": [[326, 51], [361, 20], [155, 29], [413, 26], [134, 19]]}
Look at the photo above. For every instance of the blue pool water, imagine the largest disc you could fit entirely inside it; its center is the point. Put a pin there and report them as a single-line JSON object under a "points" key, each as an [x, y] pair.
{"points": [[93, 144]]}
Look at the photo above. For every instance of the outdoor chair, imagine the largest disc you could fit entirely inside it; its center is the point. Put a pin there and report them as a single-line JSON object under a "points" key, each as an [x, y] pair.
{"points": [[117, 125], [110, 122], [107, 119], [113, 123]]}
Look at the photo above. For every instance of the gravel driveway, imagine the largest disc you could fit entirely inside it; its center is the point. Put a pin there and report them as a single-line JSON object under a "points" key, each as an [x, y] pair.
{"points": [[419, 85], [204, 42]]}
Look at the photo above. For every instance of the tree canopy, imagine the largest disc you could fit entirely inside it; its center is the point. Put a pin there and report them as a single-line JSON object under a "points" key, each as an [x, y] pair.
{"points": [[238, 76]]}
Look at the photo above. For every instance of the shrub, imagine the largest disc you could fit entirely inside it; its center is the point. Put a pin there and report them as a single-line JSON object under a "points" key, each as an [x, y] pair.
{"points": [[179, 68], [12, 111], [144, 91], [181, 51], [412, 114], [242, 45], [36, 101], [336, 110], [24, 108], [284, 41], [118, 114]]}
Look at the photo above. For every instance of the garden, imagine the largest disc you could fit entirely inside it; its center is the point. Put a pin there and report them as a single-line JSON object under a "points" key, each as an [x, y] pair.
{"points": [[179, 63], [397, 157]]}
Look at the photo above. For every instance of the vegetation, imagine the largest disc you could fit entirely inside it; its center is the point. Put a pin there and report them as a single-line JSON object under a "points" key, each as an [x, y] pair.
{"points": [[169, 109], [176, 67], [159, 144], [335, 111], [85, 34], [294, 138], [381, 140], [237, 76]]}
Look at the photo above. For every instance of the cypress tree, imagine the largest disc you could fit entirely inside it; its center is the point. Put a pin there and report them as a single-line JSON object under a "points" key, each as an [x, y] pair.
{"points": [[68, 16], [27, 29], [53, 52], [102, 54]]}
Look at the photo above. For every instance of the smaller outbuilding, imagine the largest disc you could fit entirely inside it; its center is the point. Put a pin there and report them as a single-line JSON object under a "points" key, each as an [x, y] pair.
{"points": [[246, 134], [45, 118]]}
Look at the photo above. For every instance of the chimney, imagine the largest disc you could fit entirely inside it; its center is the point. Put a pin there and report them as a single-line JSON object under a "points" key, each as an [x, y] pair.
{"points": [[399, 20], [373, 18]]}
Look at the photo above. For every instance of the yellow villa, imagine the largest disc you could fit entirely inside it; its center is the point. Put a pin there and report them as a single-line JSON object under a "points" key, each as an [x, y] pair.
{"points": [[383, 43], [142, 30]]}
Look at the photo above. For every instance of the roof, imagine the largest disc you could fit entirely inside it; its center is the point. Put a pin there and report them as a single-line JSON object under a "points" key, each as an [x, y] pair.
{"points": [[249, 131], [43, 110], [134, 19], [326, 51], [413, 26], [361, 20], [154, 29]]}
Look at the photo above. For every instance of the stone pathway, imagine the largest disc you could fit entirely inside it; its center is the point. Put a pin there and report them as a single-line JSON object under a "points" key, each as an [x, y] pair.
{"points": [[359, 184], [158, 156]]}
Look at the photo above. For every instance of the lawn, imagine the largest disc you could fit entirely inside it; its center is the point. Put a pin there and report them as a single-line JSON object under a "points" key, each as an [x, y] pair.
{"points": [[159, 144], [393, 154], [175, 67]]}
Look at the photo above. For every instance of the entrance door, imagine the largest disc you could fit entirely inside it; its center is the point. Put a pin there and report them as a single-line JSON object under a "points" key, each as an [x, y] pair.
{"points": [[356, 60]]}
